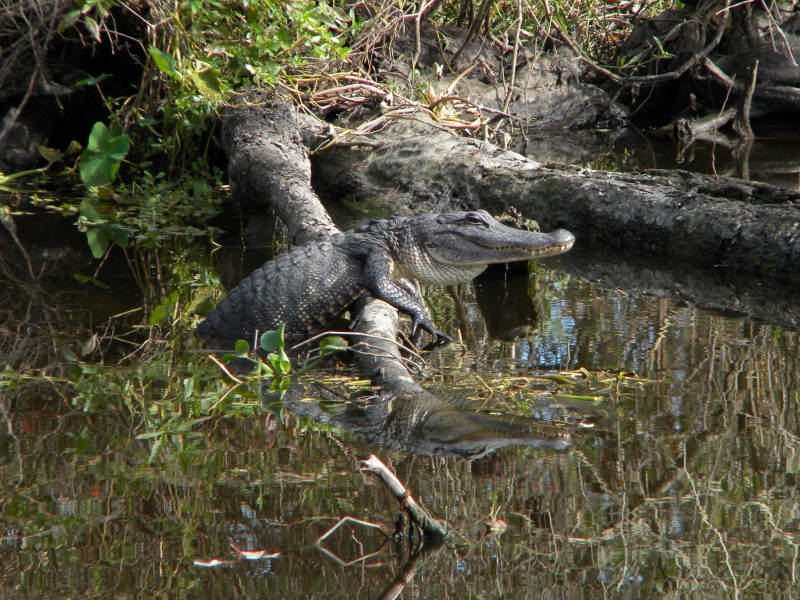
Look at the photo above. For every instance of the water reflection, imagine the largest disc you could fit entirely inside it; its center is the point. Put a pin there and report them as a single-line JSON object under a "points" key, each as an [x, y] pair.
{"points": [[686, 486], [771, 158], [426, 424]]}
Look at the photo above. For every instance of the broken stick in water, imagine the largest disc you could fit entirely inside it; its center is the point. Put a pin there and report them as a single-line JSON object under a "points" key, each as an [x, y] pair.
{"points": [[430, 527]]}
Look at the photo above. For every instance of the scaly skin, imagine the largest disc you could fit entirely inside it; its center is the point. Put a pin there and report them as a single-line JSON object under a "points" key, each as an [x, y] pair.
{"points": [[310, 285]]}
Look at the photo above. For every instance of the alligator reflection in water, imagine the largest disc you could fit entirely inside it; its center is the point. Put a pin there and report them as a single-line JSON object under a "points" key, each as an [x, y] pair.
{"points": [[427, 424], [503, 297]]}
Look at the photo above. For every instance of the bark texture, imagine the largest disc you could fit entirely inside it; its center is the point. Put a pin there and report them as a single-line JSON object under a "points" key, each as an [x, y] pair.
{"points": [[269, 170]]}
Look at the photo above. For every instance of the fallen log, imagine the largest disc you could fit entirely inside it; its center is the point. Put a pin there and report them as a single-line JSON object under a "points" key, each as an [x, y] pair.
{"points": [[742, 227]]}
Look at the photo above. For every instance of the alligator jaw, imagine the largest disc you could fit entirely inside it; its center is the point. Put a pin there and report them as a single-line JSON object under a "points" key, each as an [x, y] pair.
{"points": [[540, 245], [478, 239]]}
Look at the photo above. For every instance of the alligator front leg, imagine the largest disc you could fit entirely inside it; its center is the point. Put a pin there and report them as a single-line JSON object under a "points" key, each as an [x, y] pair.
{"points": [[413, 290], [377, 272]]}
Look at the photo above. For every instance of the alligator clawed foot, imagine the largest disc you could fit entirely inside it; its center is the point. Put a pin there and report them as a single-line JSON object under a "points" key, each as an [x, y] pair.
{"points": [[440, 341], [416, 337], [418, 329]]}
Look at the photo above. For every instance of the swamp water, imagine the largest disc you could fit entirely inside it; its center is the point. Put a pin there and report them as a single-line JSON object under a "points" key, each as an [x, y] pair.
{"points": [[155, 479]]}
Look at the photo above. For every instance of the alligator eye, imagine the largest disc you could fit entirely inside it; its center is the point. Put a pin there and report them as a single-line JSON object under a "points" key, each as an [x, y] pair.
{"points": [[475, 219]]}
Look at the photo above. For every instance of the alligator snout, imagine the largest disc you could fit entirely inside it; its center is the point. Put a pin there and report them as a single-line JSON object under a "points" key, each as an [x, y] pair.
{"points": [[563, 238]]}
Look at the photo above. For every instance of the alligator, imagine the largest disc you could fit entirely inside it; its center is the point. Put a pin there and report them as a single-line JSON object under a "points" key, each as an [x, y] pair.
{"points": [[310, 285]]}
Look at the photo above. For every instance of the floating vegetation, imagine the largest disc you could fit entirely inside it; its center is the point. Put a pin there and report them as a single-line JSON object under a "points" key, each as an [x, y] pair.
{"points": [[578, 388]]}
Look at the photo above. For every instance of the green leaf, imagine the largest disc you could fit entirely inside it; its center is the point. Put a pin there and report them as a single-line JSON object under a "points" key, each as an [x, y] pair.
{"points": [[51, 155], [202, 303], [270, 341], [89, 345], [73, 148], [264, 369], [98, 242], [280, 384], [67, 352], [188, 387], [280, 362], [164, 62], [156, 450], [97, 170], [100, 160], [242, 348], [81, 278], [99, 232], [116, 233], [207, 82], [112, 142], [92, 27], [162, 310], [92, 80], [100, 236], [201, 189], [69, 19], [309, 366]]}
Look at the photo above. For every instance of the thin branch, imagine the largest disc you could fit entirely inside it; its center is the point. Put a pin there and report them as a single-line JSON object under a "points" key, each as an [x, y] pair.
{"points": [[430, 527], [225, 369], [742, 123], [510, 92], [483, 12]]}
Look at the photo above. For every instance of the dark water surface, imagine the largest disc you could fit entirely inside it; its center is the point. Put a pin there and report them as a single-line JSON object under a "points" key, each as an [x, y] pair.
{"points": [[685, 485], [772, 157]]}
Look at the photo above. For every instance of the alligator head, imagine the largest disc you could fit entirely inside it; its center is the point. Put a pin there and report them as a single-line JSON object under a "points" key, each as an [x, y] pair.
{"points": [[452, 248]]}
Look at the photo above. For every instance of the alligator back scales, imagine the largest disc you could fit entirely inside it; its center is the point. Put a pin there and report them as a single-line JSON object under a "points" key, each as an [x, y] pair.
{"points": [[305, 288]]}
